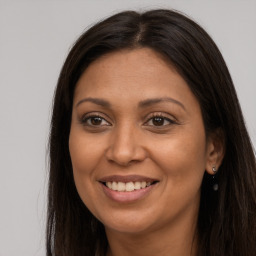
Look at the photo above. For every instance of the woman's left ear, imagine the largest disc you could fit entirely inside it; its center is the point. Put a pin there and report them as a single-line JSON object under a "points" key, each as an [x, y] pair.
{"points": [[215, 151]]}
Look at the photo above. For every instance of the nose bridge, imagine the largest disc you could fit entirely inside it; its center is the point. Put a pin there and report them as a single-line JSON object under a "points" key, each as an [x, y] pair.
{"points": [[124, 145]]}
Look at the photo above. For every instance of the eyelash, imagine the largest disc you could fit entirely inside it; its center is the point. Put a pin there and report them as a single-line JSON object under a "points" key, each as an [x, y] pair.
{"points": [[88, 118], [161, 116], [84, 120]]}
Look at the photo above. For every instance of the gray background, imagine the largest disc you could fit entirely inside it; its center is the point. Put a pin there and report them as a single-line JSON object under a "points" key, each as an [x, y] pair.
{"points": [[35, 37]]}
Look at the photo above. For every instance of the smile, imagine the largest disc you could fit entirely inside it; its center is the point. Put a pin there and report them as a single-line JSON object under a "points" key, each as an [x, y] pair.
{"points": [[128, 186], [124, 189]]}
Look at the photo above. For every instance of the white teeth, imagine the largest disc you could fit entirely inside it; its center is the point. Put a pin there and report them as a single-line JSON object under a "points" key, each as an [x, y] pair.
{"points": [[109, 184], [113, 186], [143, 184], [127, 187], [137, 185], [120, 186]]}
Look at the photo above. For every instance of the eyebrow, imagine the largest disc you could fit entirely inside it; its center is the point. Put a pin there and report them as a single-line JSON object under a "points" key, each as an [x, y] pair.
{"points": [[149, 102], [142, 104], [97, 101]]}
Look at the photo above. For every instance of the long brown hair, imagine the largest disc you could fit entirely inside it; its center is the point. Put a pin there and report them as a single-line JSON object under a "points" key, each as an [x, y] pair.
{"points": [[227, 218]]}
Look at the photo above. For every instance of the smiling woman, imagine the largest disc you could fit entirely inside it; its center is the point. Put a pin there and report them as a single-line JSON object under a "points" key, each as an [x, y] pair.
{"points": [[149, 152]]}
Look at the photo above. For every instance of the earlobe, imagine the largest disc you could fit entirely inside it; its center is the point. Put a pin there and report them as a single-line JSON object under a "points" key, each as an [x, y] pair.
{"points": [[215, 151]]}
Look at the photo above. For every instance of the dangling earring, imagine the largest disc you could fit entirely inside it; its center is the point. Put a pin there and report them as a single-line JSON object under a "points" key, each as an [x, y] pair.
{"points": [[215, 186]]}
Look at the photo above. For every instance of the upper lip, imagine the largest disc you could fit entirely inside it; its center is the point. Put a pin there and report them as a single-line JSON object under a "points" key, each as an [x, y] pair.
{"points": [[126, 178]]}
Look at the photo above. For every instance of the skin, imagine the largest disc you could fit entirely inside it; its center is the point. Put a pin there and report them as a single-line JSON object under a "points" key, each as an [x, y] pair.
{"points": [[125, 140]]}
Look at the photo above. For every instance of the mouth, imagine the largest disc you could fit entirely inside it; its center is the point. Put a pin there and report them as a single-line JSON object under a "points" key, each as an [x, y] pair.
{"points": [[127, 189], [128, 186], [127, 183]]}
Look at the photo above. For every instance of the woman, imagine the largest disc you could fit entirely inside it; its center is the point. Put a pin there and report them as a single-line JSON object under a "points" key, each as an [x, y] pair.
{"points": [[149, 154]]}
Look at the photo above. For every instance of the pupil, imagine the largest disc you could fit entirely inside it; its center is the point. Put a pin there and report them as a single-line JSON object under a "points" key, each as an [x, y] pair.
{"points": [[158, 121], [96, 120]]}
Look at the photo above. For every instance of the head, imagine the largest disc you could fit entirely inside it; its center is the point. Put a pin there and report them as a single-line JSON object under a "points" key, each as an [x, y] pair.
{"points": [[183, 47]]}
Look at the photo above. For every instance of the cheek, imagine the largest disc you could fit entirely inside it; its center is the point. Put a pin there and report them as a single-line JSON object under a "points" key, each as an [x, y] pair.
{"points": [[183, 158], [85, 152], [182, 161], [85, 156]]}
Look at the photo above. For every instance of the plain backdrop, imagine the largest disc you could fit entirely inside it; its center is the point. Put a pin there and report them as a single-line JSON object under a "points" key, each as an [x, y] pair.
{"points": [[35, 37]]}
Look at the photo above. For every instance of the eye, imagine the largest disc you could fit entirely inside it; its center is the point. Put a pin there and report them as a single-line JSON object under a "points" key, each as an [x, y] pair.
{"points": [[94, 120], [159, 120]]}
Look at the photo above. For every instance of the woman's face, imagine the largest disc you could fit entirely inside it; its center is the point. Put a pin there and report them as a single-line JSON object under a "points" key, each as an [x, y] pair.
{"points": [[137, 142]]}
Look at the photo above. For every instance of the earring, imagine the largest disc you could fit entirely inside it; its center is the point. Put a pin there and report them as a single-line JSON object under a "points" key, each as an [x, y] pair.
{"points": [[215, 186]]}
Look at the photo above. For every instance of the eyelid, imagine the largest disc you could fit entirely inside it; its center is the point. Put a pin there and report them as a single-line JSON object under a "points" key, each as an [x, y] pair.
{"points": [[163, 115], [89, 115]]}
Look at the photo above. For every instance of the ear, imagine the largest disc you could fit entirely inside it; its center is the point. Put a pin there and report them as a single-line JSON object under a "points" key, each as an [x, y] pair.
{"points": [[215, 151]]}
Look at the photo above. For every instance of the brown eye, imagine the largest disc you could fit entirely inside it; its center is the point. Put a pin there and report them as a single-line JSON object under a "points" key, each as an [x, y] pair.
{"points": [[158, 121], [95, 121]]}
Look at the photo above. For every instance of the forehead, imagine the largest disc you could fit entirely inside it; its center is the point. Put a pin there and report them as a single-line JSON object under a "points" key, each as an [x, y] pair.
{"points": [[140, 70], [128, 77]]}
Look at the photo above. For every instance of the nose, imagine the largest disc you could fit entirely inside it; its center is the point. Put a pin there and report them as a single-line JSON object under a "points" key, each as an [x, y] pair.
{"points": [[126, 147]]}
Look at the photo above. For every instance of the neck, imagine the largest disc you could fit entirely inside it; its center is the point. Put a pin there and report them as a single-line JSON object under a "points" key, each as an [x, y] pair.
{"points": [[176, 239]]}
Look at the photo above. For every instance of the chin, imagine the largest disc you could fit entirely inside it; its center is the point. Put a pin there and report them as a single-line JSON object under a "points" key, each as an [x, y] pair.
{"points": [[128, 223], [127, 228]]}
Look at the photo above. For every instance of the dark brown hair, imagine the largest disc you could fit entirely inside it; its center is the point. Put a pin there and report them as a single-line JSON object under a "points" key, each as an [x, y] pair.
{"points": [[227, 218]]}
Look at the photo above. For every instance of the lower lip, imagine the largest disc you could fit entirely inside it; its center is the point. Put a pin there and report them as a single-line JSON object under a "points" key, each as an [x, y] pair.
{"points": [[126, 197]]}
